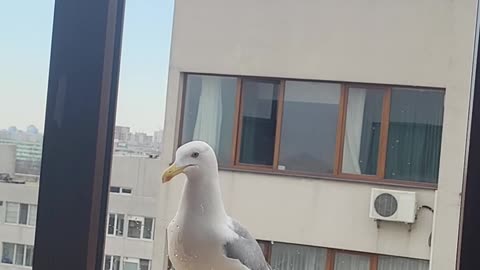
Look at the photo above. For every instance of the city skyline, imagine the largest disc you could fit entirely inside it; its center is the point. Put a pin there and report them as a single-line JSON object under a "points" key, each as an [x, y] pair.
{"points": [[143, 71]]}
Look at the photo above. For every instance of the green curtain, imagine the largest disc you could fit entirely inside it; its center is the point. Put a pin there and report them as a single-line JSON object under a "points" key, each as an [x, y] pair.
{"points": [[414, 135], [413, 152]]}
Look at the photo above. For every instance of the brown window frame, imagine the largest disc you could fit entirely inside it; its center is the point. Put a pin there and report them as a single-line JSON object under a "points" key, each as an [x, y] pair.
{"points": [[331, 252], [378, 178]]}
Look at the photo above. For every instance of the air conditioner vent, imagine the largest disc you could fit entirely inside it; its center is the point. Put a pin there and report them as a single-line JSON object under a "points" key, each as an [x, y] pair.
{"points": [[393, 205], [386, 205]]}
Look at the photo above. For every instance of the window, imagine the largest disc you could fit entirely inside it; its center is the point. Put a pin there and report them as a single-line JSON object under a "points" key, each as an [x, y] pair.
{"points": [[21, 213], [414, 135], [140, 227], [362, 131], [126, 191], [348, 261], [116, 224], [348, 131], [17, 254], [307, 103], [11, 215], [392, 263], [32, 215], [112, 262], [115, 189], [120, 190], [136, 264], [209, 104], [8, 253], [258, 120], [285, 256]]}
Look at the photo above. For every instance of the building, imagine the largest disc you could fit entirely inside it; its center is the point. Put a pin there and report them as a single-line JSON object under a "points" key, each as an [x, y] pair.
{"points": [[310, 105], [131, 220], [157, 137], [28, 155], [122, 133]]}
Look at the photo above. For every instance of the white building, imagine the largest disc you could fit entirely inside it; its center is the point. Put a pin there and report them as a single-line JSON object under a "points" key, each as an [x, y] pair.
{"points": [[131, 220], [312, 104]]}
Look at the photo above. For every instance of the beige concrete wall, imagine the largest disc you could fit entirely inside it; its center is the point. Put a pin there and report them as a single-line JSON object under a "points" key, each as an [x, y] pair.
{"points": [[421, 43]]}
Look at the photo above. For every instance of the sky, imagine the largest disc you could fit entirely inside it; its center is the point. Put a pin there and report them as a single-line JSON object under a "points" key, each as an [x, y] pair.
{"points": [[25, 55]]}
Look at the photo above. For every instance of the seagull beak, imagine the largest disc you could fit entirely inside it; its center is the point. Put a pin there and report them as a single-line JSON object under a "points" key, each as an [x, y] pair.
{"points": [[171, 172]]}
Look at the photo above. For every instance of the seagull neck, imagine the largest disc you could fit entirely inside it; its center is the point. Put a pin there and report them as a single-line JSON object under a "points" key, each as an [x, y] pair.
{"points": [[202, 197]]}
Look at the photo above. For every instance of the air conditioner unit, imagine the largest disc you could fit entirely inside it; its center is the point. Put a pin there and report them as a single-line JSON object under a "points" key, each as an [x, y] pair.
{"points": [[393, 205]]}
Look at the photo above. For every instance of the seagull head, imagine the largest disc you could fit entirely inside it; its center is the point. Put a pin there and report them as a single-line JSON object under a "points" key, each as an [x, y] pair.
{"points": [[195, 158]]}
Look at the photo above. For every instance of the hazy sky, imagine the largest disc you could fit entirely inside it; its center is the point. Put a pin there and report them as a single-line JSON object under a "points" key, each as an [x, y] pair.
{"points": [[25, 54]]}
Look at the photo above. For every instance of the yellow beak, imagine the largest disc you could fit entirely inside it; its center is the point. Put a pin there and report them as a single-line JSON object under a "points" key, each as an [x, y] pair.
{"points": [[171, 172]]}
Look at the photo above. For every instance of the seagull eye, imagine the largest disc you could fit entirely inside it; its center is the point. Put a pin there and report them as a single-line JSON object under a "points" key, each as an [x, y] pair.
{"points": [[195, 154]]}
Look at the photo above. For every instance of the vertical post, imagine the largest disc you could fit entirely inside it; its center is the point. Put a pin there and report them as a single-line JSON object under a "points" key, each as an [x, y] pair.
{"points": [[469, 236], [79, 125]]}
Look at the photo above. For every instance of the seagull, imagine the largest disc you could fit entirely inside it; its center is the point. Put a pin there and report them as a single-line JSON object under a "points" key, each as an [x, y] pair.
{"points": [[202, 236]]}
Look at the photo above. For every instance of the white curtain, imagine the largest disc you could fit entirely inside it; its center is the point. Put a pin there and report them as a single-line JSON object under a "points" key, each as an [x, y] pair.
{"points": [[209, 116], [353, 131], [395, 263], [296, 257], [346, 261]]}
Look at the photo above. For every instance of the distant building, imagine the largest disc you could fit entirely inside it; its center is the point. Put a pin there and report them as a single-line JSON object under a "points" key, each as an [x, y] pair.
{"points": [[32, 129], [131, 221], [157, 137], [28, 155], [122, 133]]}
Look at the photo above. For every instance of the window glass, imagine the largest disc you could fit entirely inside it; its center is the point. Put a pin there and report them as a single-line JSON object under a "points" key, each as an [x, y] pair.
{"points": [[115, 189], [209, 111], [144, 264], [23, 214], [29, 256], [120, 224], [8, 250], [134, 228], [288, 256], [112, 262], [129, 265], [111, 224], [396, 263], [362, 131], [19, 254], [108, 262], [309, 126], [32, 215], [148, 228], [126, 190], [347, 261], [12, 212], [116, 263], [414, 135], [259, 119]]}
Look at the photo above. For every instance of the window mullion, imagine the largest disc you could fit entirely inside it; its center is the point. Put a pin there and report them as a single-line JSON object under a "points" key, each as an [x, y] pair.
{"points": [[236, 122], [373, 262], [278, 128], [382, 155], [18, 212], [341, 122], [115, 222], [28, 214], [24, 259], [330, 264], [14, 253]]}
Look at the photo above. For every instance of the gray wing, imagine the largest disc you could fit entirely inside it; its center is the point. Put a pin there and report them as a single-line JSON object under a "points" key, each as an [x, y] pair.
{"points": [[245, 249]]}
